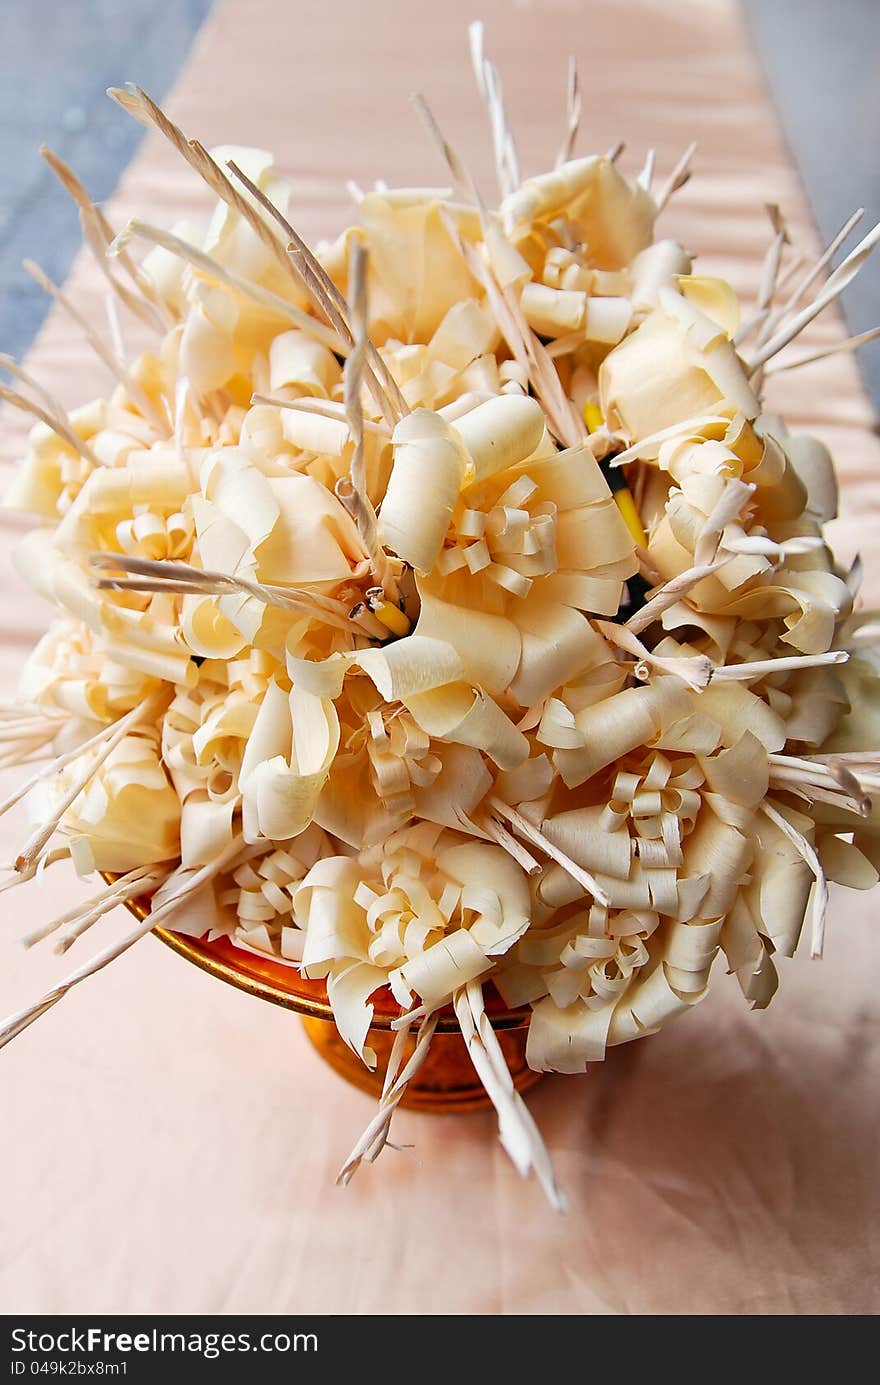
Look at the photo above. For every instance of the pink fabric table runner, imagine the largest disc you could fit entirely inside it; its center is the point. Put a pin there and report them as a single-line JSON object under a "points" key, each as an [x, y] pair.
{"points": [[170, 1144]]}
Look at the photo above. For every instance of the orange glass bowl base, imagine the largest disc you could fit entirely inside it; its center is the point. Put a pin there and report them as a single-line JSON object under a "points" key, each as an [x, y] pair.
{"points": [[446, 1082]]}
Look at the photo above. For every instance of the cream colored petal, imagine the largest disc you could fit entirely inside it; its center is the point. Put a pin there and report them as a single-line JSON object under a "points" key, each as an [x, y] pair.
{"points": [[657, 265], [501, 433], [128, 816], [558, 643], [458, 712], [583, 835], [348, 990], [441, 969], [618, 724], [467, 331], [298, 361], [488, 646], [205, 829], [741, 773], [425, 482], [324, 907]]}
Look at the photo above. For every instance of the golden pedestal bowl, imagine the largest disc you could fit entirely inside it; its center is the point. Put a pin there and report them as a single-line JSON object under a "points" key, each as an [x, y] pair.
{"points": [[445, 1082]]}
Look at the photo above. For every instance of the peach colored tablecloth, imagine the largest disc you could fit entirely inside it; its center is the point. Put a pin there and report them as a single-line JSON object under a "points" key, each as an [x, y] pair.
{"points": [[170, 1144]]}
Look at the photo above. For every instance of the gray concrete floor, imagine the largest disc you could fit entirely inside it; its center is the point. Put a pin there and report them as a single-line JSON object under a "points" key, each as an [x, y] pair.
{"points": [[822, 62]]}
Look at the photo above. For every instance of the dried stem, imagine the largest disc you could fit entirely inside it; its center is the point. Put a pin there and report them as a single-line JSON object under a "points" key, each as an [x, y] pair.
{"points": [[173, 577], [532, 834], [489, 87], [680, 175], [375, 1137], [190, 884], [102, 351], [48, 858], [516, 1129], [765, 668], [98, 235], [836, 283], [61, 761], [324, 408], [212, 269], [848, 344], [59, 424], [134, 883], [357, 500], [144, 712], [772, 319], [144, 109], [573, 108], [509, 843], [820, 894], [671, 592], [646, 177], [379, 379]]}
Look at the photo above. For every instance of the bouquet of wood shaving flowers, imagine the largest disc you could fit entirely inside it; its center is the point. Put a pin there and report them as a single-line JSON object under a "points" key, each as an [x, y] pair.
{"points": [[440, 609]]}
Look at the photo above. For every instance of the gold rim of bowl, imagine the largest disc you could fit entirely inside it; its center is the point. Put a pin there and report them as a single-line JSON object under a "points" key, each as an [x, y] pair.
{"points": [[265, 988]]}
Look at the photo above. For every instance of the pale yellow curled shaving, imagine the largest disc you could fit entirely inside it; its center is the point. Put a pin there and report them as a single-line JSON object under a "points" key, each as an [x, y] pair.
{"points": [[129, 815], [611, 728], [416, 275], [677, 365], [423, 488], [285, 763], [617, 218]]}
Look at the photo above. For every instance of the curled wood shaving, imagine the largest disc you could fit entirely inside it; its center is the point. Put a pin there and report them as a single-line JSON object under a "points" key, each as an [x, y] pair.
{"points": [[438, 608]]}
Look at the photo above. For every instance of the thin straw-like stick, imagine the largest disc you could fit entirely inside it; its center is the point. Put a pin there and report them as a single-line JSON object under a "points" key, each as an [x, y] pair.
{"points": [[59, 424], [53, 405], [509, 843], [680, 175], [145, 711], [353, 495], [144, 109], [98, 235], [773, 258], [130, 885], [694, 424], [16, 1023], [375, 1136], [489, 86], [67, 758], [48, 858], [765, 668], [461, 175], [646, 176], [532, 834], [820, 896], [212, 269], [573, 108], [517, 1131], [102, 351], [325, 408], [27, 738], [165, 576], [352, 382], [848, 344], [379, 378], [671, 592], [525, 346], [836, 283], [834, 781], [776, 316]]}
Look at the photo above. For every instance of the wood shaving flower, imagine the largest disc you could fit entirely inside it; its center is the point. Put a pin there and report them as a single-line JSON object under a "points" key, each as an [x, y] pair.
{"points": [[445, 608]]}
